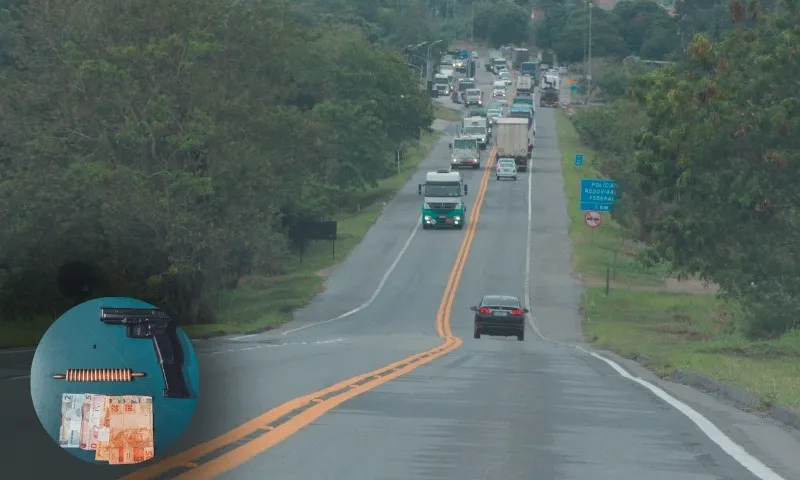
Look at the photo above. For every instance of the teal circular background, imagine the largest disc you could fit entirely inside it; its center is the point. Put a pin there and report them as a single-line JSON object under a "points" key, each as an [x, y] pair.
{"points": [[78, 339]]}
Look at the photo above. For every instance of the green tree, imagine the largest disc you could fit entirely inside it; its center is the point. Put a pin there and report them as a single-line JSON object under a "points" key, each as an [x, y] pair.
{"points": [[504, 23], [721, 150], [647, 29], [565, 30], [169, 141]]}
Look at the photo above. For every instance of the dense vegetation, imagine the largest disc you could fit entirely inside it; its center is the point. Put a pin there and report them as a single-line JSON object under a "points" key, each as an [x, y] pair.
{"points": [[169, 143], [633, 28], [707, 154]]}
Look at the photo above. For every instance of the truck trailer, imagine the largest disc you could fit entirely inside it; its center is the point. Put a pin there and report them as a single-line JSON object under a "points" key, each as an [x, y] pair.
{"points": [[513, 140]]}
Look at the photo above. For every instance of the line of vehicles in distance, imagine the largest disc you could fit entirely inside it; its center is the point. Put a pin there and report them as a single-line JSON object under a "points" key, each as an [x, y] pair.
{"points": [[510, 124]]}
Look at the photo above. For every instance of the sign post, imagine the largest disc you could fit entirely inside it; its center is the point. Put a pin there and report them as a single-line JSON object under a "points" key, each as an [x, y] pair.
{"points": [[598, 195], [578, 159]]}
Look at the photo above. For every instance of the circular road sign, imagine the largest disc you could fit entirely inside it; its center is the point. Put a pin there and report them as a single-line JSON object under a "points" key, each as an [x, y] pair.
{"points": [[593, 219]]}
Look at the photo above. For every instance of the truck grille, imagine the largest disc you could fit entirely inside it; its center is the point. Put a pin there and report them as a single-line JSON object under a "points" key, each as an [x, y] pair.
{"points": [[442, 207]]}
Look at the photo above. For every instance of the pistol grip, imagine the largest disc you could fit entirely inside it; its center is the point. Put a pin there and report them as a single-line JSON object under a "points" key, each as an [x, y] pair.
{"points": [[174, 383]]}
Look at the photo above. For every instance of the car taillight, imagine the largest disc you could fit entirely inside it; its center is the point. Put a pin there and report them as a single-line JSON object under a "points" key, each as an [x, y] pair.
{"points": [[485, 310], [517, 312]]}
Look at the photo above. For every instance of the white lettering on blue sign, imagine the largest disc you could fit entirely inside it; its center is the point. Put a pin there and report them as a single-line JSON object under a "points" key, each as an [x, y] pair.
{"points": [[598, 191]]}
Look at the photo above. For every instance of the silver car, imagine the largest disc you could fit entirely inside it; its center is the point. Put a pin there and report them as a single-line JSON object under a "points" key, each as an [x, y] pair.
{"points": [[499, 93], [506, 168]]}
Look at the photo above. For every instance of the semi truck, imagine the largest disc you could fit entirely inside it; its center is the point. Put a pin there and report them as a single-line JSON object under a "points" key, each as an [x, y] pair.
{"points": [[478, 129], [519, 55], [512, 140], [550, 80], [549, 98], [550, 91], [546, 59], [462, 86], [443, 204], [524, 84], [529, 69], [441, 84]]}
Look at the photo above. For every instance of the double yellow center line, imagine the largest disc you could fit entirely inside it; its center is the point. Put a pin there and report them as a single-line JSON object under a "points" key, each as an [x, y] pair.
{"points": [[234, 448]]}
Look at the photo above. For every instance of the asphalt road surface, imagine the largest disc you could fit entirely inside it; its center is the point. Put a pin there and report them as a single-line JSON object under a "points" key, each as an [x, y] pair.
{"points": [[493, 408]]}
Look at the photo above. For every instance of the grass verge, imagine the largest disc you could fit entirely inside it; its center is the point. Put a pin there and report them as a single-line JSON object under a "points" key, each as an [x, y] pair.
{"points": [[606, 248], [662, 329], [444, 113], [262, 303]]}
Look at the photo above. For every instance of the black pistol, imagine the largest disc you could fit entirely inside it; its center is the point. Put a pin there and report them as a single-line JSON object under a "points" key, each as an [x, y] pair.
{"points": [[156, 324]]}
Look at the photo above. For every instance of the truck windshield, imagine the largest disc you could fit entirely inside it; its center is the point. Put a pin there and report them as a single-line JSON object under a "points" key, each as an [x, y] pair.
{"points": [[518, 114], [465, 144], [466, 85], [475, 130], [450, 189], [441, 81]]}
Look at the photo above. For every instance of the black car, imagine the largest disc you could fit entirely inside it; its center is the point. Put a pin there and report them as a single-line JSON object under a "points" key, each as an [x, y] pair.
{"points": [[500, 315]]}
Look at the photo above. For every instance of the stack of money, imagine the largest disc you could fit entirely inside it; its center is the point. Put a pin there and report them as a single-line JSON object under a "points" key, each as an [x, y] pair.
{"points": [[119, 429]]}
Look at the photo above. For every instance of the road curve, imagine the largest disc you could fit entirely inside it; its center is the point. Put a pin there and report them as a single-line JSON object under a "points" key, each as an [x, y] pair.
{"points": [[489, 409]]}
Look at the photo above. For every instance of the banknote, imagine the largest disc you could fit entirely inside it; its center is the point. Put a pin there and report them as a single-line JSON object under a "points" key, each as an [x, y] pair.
{"points": [[130, 430], [101, 450], [93, 411], [69, 435]]}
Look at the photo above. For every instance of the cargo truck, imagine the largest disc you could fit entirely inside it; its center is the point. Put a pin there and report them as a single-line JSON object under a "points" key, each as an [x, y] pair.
{"points": [[518, 56], [477, 128], [524, 84], [522, 111], [441, 84], [443, 205], [529, 69], [464, 152], [512, 140]]}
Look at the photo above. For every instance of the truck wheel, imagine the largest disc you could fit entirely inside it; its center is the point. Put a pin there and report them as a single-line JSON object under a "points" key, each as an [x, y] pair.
{"points": [[425, 226], [475, 167]]}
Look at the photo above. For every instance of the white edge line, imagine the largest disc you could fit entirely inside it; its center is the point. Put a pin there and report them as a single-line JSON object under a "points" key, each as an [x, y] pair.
{"points": [[736, 451], [374, 294]]}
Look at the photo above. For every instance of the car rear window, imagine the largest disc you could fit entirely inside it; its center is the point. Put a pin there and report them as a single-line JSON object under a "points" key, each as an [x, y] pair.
{"points": [[500, 301]]}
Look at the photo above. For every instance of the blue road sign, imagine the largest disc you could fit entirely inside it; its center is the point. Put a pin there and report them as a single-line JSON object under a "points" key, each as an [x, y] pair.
{"points": [[578, 159], [574, 88], [598, 194]]}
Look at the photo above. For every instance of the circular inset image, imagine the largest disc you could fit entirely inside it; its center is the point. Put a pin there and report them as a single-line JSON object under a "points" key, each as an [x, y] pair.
{"points": [[115, 381]]}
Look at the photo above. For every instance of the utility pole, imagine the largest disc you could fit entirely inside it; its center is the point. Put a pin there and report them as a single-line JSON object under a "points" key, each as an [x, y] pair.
{"points": [[589, 93], [472, 25], [585, 32]]}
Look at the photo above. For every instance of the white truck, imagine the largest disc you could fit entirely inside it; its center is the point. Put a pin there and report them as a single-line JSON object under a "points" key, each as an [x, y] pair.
{"points": [[549, 81], [512, 139], [443, 204], [478, 129]]}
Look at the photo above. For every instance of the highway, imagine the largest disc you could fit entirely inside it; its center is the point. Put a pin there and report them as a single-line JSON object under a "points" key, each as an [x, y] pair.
{"points": [[379, 378]]}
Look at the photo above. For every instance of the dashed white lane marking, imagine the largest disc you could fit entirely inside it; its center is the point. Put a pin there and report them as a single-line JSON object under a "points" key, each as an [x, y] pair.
{"points": [[736, 451], [238, 349], [271, 345], [374, 294]]}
